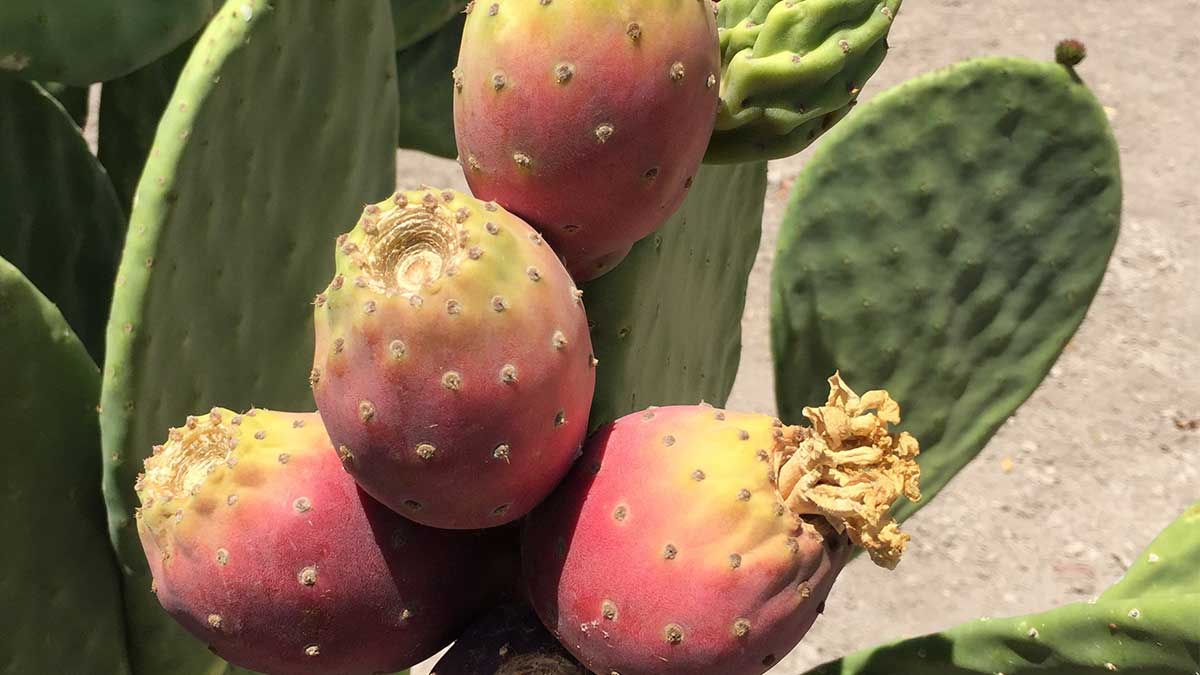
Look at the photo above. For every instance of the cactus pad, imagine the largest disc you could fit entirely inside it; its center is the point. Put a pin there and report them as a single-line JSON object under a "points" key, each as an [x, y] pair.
{"points": [[415, 20], [57, 575], [1145, 623], [791, 70], [666, 323], [130, 108], [1168, 565], [966, 218], [427, 91], [84, 41], [61, 224], [230, 237], [1157, 634]]}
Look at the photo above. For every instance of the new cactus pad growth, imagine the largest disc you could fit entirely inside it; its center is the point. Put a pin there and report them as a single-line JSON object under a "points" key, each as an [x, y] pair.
{"points": [[588, 119], [725, 563], [453, 365], [264, 549]]}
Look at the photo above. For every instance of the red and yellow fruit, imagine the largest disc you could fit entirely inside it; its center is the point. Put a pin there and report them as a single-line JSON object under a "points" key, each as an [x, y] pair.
{"points": [[695, 540], [453, 365], [588, 119], [264, 549]]}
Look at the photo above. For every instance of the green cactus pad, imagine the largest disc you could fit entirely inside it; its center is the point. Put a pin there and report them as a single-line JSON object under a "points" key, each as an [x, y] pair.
{"points": [[944, 244], [130, 108], [1169, 566], [415, 20], [73, 99], [61, 223], [83, 41], [1153, 636], [666, 323], [427, 91], [281, 126], [62, 599], [791, 70]]}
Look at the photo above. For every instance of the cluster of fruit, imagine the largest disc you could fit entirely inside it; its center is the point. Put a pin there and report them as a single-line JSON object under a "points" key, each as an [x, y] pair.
{"points": [[450, 468]]}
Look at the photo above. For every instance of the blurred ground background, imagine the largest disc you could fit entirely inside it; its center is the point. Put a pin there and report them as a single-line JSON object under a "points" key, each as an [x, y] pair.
{"points": [[1102, 456], [1107, 451]]}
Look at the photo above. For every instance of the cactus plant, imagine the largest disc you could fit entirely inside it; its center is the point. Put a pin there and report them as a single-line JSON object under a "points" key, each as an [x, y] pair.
{"points": [[83, 41], [988, 289], [53, 517], [1146, 623], [254, 144], [61, 223], [791, 70], [232, 217]]}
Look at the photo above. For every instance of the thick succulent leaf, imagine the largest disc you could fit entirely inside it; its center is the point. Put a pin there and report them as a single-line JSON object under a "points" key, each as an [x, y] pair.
{"points": [[791, 70], [666, 323], [73, 99], [60, 224], [1169, 566], [944, 243], [415, 20], [1158, 635], [130, 108], [83, 41], [281, 126], [1146, 623], [426, 91], [58, 576]]}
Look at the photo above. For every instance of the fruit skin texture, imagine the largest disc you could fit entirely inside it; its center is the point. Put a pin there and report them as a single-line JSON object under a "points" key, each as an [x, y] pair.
{"points": [[708, 572], [453, 365], [508, 640], [588, 119], [267, 551]]}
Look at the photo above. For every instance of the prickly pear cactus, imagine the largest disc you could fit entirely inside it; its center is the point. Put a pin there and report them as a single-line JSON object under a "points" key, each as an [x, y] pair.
{"points": [[61, 223], [73, 99], [130, 108], [83, 41], [415, 20], [1168, 565], [230, 237], [667, 322], [427, 91], [58, 576], [791, 70], [1146, 623], [956, 282]]}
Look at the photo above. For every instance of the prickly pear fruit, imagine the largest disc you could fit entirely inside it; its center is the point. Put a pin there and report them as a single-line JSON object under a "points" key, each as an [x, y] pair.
{"points": [[453, 365], [263, 548], [588, 119], [694, 540], [509, 640]]}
